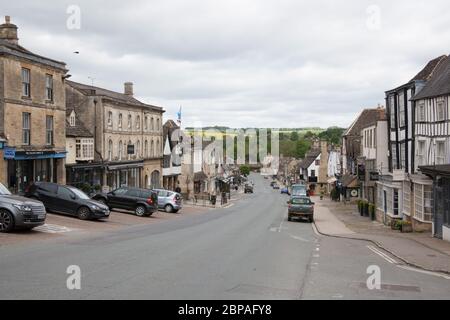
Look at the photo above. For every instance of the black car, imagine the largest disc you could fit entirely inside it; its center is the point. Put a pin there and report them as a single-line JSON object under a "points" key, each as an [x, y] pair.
{"points": [[248, 188], [142, 201], [67, 200]]}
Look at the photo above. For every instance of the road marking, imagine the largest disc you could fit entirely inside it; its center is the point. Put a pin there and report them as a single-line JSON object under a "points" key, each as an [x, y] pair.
{"points": [[316, 255], [382, 254], [298, 238], [437, 274], [52, 228]]}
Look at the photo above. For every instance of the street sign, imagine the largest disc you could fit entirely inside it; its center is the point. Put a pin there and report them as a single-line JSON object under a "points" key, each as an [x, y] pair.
{"points": [[9, 153]]}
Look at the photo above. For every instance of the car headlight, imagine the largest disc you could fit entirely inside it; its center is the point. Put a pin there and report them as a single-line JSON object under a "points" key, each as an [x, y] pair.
{"points": [[95, 207], [23, 207]]}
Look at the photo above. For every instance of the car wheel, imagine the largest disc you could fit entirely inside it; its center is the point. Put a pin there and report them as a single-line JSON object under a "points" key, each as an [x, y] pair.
{"points": [[84, 213], [6, 221], [168, 208], [140, 211]]}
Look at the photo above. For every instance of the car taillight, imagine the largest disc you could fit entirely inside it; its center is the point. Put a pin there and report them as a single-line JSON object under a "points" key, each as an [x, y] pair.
{"points": [[150, 201]]}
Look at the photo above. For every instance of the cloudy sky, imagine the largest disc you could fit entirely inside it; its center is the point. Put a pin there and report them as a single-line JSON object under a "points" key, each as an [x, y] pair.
{"points": [[241, 63]]}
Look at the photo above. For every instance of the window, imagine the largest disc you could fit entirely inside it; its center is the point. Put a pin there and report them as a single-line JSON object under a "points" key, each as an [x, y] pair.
{"points": [[152, 149], [138, 148], [85, 149], [146, 123], [49, 130], [26, 86], [110, 150], [401, 108], [440, 111], [313, 173], [120, 149], [423, 202], [395, 202], [402, 156], [152, 124], [145, 149], [120, 120], [65, 193], [440, 152], [421, 112], [317, 162], [392, 111], [394, 156], [129, 121], [72, 119], [26, 126], [138, 122], [421, 153], [110, 118], [407, 198], [49, 87]]}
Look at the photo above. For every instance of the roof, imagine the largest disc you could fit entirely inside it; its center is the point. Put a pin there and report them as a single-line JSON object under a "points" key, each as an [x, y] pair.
{"points": [[8, 48], [366, 118], [348, 180], [79, 130], [439, 83], [117, 96], [443, 170], [309, 158], [426, 73], [168, 128]]}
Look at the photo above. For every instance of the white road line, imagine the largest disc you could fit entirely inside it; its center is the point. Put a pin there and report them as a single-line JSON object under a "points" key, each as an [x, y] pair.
{"points": [[52, 228], [382, 254], [298, 238], [437, 274]]}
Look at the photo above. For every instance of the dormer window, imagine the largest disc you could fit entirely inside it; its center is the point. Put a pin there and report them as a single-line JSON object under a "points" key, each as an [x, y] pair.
{"points": [[72, 120]]}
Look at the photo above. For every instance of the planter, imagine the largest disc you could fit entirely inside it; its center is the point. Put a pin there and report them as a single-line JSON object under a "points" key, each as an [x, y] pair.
{"points": [[406, 228], [395, 225]]}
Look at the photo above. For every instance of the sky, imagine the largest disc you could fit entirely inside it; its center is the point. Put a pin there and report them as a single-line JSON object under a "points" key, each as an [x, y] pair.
{"points": [[241, 63]]}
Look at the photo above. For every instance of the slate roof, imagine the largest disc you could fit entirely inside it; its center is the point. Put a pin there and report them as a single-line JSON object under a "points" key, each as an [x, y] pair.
{"points": [[79, 130], [366, 118], [439, 83], [426, 73], [117, 96], [8, 48], [168, 128], [310, 157]]}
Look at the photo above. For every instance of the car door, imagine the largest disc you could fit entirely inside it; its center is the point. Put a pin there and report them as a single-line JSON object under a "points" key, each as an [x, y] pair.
{"points": [[66, 201], [132, 196], [117, 198], [162, 198], [47, 193]]}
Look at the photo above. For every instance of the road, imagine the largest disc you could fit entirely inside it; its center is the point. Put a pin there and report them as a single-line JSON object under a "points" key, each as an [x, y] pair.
{"points": [[247, 251]]}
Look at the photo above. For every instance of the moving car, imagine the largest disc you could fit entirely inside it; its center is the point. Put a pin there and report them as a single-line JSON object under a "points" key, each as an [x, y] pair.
{"points": [[284, 190], [18, 212], [142, 201], [298, 190], [67, 200], [248, 188], [168, 200], [300, 207], [276, 186]]}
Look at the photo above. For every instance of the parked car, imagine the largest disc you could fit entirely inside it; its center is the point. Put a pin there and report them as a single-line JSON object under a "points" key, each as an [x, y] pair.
{"points": [[300, 207], [168, 200], [142, 201], [276, 187], [18, 212], [273, 183], [284, 190], [298, 190], [248, 188], [67, 200]]}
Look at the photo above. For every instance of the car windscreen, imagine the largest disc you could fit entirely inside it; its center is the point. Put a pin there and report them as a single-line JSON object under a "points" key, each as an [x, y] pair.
{"points": [[4, 191], [80, 194], [300, 201]]}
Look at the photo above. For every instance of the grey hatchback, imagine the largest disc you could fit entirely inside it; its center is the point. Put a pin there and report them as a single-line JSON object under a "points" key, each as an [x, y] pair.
{"points": [[168, 200], [18, 212]]}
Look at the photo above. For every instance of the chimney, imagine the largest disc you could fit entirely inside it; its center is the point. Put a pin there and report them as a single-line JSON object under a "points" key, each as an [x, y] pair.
{"points": [[128, 88], [8, 31]]}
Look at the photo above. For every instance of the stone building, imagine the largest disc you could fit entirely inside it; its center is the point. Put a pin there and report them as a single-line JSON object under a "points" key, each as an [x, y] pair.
{"points": [[128, 137], [172, 155], [32, 114]]}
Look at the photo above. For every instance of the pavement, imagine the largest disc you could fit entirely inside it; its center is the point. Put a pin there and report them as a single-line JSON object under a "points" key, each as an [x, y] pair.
{"points": [[246, 251], [416, 249]]}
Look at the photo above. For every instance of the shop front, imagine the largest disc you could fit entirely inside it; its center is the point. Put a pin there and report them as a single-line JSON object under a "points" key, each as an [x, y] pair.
{"points": [[81, 175], [128, 174], [26, 167]]}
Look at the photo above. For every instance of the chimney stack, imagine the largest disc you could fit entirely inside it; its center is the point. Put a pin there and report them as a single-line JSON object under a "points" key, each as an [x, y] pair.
{"points": [[8, 31], [128, 88]]}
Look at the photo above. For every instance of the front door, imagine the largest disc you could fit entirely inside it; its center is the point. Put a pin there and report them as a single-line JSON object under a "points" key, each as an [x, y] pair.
{"points": [[440, 207]]}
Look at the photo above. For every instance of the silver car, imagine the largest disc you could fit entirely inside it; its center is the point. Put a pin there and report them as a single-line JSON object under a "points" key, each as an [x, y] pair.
{"points": [[168, 200], [18, 212]]}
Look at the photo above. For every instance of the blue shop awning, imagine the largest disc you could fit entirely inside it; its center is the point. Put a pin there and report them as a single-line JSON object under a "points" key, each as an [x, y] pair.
{"points": [[33, 155]]}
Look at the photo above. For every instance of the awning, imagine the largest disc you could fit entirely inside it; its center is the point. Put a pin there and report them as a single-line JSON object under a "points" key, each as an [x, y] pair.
{"points": [[125, 166], [10, 153], [437, 170], [332, 180]]}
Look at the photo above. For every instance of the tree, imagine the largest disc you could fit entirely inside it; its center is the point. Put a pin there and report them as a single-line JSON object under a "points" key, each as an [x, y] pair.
{"points": [[294, 136], [245, 170]]}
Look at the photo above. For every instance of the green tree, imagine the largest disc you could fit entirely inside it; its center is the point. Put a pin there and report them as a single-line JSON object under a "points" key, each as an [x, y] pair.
{"points": [[294, 136], [245, 170]]}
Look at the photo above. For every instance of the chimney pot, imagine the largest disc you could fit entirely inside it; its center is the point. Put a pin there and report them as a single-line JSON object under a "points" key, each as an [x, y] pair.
{"points": [[128, 88], [8, 31], [7, 19]]}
